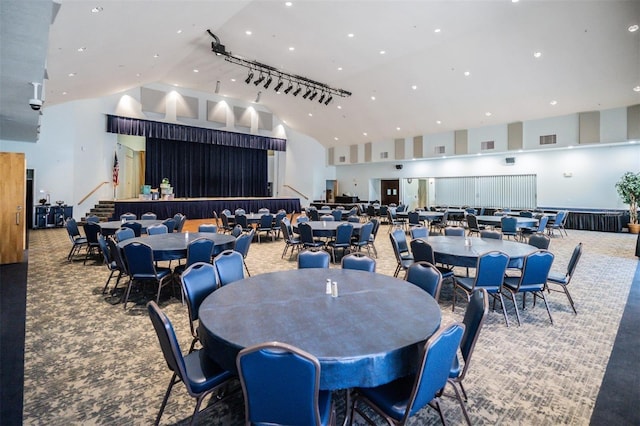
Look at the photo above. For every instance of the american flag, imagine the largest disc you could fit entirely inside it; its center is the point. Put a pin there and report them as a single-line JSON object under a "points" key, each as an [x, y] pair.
{"points": [[116, 169]]}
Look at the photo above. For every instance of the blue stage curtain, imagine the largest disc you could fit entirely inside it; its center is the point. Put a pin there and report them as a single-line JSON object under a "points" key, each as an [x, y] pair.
{"points": [[204, 170]]}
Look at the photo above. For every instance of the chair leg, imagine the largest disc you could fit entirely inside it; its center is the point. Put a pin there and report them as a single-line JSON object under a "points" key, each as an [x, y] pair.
{"points": [[459, 398], [126, 294], [246, 268], [546, 305], [515, 305], [166, 398], [573, 306], [504, 308], [106, 285]]}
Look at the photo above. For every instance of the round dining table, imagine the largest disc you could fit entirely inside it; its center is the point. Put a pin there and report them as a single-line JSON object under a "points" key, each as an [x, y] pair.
{"points": [[110, 228], [497, 220], [370, 334], [425, 215], [328, 228], [454, 251], [173, 246]]}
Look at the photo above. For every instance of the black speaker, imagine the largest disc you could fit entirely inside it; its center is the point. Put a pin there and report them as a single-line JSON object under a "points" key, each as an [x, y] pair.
{"points": [[510, 160], [399, 166]]}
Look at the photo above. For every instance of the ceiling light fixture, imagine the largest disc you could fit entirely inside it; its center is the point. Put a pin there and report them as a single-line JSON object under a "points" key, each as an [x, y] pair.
{"points": [[321, 100], [312, 86], [312, 97], [329, 99], [633, 28], [278, 86], [218, 86], [258, 97]]}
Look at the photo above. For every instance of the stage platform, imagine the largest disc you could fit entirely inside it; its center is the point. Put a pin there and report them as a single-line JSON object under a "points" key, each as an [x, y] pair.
{"points": [[202, 208]]}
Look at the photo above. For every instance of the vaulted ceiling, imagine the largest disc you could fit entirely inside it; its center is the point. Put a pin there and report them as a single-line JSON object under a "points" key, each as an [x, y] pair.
{"points": [[413, 67]]}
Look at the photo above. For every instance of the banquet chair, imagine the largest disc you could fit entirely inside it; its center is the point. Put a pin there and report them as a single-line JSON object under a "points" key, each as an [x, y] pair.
{"points": [[454, 231], [77, 240], [419, 232], [141, 267], [342, 240], [226, 227], [426, 276], [108, 260], [328, 218], [535, 272], [313, 259], [490, 272], [266, 226], [216, 219], [414, 219], [180, 221], [198, 281], [397, 401], [301, 219], [383, 214], [440, 223], [149, 216], [170, 223], [281, 385], [236, 231], [123, 234], [353, 219], [236, 212], [91, 231], [118, 257], [200, 375], [313, 214], [358, 261], [229, 266], [264, 210], [374, 234], [128, 216], [472, 225], [157, 229], [363, 240], [558, 223], [135, 226], [241, 219], [306, 236], [488, 233], [92, 218], [198, 250], [563, 280], [393, 220], [473, 320], [403, 260], [242, 244], [289, 240], [423, 252], [208, 227], [337, 215], [509, 226], [542, 225], [539, 241], [275, 226]]}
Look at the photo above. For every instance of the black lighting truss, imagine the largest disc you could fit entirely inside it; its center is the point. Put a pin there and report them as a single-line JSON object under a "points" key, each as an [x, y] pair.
{"points": [[268, 74]]}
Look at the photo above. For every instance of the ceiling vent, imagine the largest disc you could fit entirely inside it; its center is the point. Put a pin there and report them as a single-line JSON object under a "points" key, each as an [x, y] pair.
{"points": [[487, 145], [548, 140], [384, 155], [342, 159], [438, 149]]}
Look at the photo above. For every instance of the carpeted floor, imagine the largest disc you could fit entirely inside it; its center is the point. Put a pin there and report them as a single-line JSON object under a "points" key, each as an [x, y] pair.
{"points": [[87, 361]]}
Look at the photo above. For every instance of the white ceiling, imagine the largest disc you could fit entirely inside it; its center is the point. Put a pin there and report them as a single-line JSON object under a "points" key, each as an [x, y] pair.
{"points": [[590, 60]]}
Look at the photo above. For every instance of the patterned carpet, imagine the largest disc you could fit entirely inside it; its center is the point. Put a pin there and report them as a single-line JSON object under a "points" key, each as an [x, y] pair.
{"points": [[87, 361]]}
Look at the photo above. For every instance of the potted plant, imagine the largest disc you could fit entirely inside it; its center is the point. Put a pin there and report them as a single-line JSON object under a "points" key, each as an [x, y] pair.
{"points": [[628, 188]]}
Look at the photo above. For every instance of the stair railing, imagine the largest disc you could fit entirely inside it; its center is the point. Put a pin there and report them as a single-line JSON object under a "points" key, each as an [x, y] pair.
{"points": [[91, 193], [296, 191]]}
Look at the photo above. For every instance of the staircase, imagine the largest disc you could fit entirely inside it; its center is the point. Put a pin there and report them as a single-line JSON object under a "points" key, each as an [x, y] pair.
{"points": [[104, 210]]}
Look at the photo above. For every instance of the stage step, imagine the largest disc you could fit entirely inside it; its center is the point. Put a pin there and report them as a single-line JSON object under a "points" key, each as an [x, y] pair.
{"points": [[104, 210]]}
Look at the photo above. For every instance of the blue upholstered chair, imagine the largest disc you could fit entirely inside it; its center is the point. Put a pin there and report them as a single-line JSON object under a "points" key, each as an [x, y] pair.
{"points": [[91, 231], [563, 280], [419, 232], [414, 219], [241, 219], [180, 221], [509, 226], [337, 215], [306, 236], [402, 398], [275, 226], [423, 252], [374, 235], [558, 223], [490, 272], [474, 317], [539, 241], [117, 257], [239, 211], [236, 231], [128, 216], [198, 281], [208, 227], [404, 259], [242, 244], [313, 215], [281, 385], [108, 260], [77, 240], [472, 225], [160, 228], [198, 250], [226, 226], [542, 225], [266, 226], [488, 233], [342, 240], [141, 267], [426, 276], [170, 223], [535, 272], [313, 259], [264, 210], [364, 238], [290, 241], [92, 218], [149, 216], [454, 231], [359, 261], [327, 218], [229, 266], [200, 375], [135, 226]]}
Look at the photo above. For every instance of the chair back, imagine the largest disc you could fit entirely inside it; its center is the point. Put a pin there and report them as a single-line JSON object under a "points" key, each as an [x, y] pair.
{"points": [[422, 251], [117, 256], [509, 225], [419, 232], [337, 215], [414, 218], [542, 224], [157, 229], [313, 214], [243, 242], [426, 276], [359, 261], [124, 234], [526, 213], [487, 233], [180, 223], [168, 342], [384, 210], [433, 372], [365, 234], [92, 218], [229, 266], [241, 219], [490, 270], [454, 231], [540, 241], [139, 257], [371, 210], [266, 221], [313, 259], [91, 231], [198, 281], [199, 250], [306, 233], [401, 238], [474, 316], [236, 231], [239, 212], [72, 229], [284, 228], [170, 224], [225, 220], [535, 270], [128, 216], [472, 223], [301, 219], [208, 227], [137, 227], [573, 262], [279, 217], [327, 218], [376, 227], [280, 383], [264, 210], [343, 234], [149, 216], [104, 248]]}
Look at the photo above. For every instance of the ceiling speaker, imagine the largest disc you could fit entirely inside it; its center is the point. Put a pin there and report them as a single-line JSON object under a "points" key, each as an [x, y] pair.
{"points": [[510, 160], [399, 166]]}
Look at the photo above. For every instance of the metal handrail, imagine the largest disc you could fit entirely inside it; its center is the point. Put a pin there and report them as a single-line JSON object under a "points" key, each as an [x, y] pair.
{"points": [[91, 193], [296, 191]]}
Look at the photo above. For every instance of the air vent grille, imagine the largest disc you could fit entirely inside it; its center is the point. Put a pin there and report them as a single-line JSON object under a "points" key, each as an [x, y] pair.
{"points": [[384, 155], [438, 149], [487, 145], [547, 140], [342, 159]]}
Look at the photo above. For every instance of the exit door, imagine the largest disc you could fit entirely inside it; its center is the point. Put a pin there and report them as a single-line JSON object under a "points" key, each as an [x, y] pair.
{"points": [[390, 191]]}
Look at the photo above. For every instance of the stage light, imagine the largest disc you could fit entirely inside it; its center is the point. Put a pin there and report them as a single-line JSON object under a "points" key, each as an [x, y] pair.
{"points": [[278, 86], [307, 93], [321, 98], [314, 95], [268, 83], [249, 77], [258, 97], [297, 92], [289, 88], [329, 99], [259, 80], [218, 86]]}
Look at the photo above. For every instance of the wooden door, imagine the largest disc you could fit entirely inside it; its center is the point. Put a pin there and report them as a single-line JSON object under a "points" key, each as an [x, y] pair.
{"points": [[390, 191], [12, 209]]}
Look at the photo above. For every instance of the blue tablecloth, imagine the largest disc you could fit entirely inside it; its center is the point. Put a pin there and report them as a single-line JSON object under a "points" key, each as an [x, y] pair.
{"points": [[174, 246], [328, 228], [367, 336], [496, 221], [452, 250], [109, 228]]}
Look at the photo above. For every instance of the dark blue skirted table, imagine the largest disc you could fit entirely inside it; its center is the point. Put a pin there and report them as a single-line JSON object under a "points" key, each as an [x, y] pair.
{"points": [[174, 246], [328, 228], [110, 228], [367, 336]]}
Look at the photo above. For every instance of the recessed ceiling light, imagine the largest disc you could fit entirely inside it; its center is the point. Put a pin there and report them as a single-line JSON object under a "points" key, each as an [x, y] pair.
{"points": [[233, 80], [373, 98], [156, 56], [397, 128], [438, 122], [288, 4], [488, 114], [335, 138], [339, 107], [248, 32], [351, 35], [64, 93], [291, 49], [537, 55], [382, 52], [437, 30], [72, 74], [414, 87], [310, 115], [179, 32], [634, 28], [97, 9], [339, 68], [515, 1], [554, 102], [138, 74], [467, 73], [196, 70], [364, 133], [636, 89], [81, 49]]}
